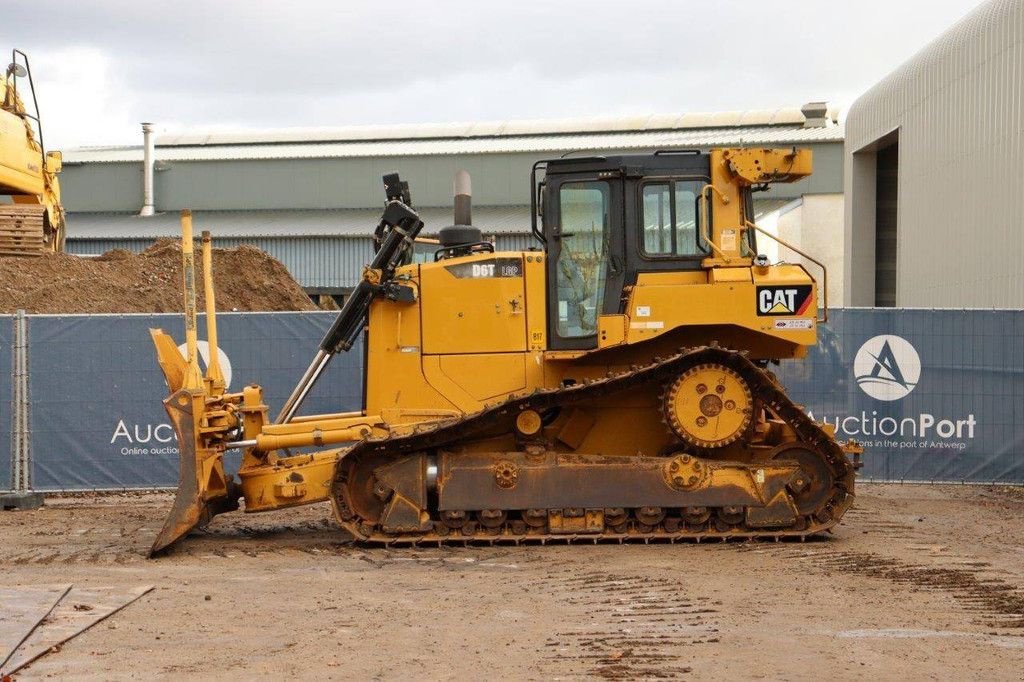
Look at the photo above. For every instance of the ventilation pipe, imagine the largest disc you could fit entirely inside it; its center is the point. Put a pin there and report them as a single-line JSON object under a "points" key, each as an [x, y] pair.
{"points": [[460, 238], [815, 115], [148, 152], [463, 200]]}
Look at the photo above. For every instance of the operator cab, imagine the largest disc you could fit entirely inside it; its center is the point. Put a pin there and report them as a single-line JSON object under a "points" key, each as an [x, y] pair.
{"points": [[605, 220]]}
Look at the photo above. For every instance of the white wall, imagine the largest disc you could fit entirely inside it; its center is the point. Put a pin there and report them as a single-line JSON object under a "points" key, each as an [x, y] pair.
{"points": [[814, 224], [958, 110]]}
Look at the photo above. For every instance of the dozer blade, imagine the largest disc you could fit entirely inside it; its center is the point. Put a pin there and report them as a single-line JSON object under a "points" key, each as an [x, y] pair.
{"points": [[203, 489]]}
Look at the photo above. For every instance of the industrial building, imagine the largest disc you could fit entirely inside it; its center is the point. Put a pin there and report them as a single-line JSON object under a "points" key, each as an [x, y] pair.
{"points": [[935, 172], [312, 197]]}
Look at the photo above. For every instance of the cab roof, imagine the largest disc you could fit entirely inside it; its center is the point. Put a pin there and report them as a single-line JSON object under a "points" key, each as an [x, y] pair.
{"points": [[633, 164]]}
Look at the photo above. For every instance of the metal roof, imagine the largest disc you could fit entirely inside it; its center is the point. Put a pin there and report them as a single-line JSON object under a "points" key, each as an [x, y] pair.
{"points": [[492, 220], [782, 126], [490, 128]]}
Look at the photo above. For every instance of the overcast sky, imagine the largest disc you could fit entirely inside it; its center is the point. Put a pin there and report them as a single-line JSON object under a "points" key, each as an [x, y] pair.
{"points": [[101, 66]]}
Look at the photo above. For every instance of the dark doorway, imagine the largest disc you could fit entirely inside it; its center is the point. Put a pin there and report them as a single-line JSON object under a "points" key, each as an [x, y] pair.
{"points": [[886, 195]]}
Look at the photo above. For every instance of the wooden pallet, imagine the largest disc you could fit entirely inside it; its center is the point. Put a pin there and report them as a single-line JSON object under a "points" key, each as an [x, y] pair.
{"points": [[21, 230]]}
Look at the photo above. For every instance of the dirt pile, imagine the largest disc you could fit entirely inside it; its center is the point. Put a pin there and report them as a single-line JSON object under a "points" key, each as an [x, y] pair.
{"points": [[119, 281]]}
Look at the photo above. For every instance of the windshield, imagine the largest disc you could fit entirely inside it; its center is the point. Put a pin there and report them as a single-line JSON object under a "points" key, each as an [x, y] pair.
{"points": [[582, 266]]}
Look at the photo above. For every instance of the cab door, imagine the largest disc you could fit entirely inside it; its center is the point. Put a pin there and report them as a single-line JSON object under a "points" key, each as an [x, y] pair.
{"points": [[583, 224]]}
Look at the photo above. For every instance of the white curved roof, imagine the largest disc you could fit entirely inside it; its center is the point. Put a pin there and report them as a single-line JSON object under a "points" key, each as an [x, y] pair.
{"points": [[941, 73], [776, 126]]}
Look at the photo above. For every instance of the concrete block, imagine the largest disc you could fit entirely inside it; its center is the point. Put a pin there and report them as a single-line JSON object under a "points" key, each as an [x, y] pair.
{"points": [[10, 501]]}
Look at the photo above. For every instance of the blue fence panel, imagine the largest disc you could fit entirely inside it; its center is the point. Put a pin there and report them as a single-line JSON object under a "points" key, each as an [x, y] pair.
{"points": [[97, 416], [6, 398], [933, 395]]}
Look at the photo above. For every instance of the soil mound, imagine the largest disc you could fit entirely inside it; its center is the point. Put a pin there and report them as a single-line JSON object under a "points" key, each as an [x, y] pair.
{"points": [[120, 281]]}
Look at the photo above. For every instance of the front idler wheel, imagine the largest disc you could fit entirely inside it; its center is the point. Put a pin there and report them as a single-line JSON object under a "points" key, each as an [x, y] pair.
{"points": [[814, 484]]}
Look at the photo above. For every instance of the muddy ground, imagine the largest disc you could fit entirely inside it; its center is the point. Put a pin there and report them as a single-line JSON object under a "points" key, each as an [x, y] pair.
{"points": [[917, 583]]}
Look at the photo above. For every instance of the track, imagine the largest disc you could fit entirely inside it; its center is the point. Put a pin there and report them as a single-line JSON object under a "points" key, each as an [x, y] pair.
{"points": [[352, 467]]}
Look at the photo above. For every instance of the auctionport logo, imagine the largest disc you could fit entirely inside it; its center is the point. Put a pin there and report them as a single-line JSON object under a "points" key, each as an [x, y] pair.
{"points": [[887, 367]]}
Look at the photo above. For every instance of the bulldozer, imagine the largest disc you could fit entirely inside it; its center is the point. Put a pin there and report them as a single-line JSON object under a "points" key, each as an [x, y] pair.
{"points": [[31, 216], [611, 384]]}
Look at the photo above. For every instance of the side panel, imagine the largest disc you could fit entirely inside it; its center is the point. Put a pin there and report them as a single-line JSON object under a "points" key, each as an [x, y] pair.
{"points": [[777, 304], [396, 383], [476, 333], [488, 375], [474, 305]]}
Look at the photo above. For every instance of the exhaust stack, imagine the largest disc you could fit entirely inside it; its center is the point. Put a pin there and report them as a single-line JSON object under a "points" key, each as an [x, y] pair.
{"points": [[461, 238], [463, 199], [148, 153]]}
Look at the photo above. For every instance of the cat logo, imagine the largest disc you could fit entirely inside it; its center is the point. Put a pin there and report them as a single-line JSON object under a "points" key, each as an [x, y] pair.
{"points": [[784, 300]]}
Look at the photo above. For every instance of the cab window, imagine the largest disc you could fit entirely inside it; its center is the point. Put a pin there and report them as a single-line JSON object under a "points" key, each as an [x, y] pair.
{"points": [[671, 218], [583, 251]]}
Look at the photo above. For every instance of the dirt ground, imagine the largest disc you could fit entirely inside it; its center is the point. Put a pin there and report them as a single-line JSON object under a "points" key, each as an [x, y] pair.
{"points": [[918, 582]]}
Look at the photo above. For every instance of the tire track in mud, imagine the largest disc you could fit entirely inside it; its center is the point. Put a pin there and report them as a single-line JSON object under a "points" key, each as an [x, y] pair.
{"points": [[868, 522], [634, 628], [995, 603]]}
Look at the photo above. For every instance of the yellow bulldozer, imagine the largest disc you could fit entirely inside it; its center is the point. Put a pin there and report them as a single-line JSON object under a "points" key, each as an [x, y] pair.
{"points": [[612, 383], [31, 215]]}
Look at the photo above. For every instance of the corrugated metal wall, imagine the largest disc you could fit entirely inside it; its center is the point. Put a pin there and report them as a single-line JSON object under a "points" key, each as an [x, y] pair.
{"points": [[957, 112], [515, 242], [498, 180], [314, 262]]}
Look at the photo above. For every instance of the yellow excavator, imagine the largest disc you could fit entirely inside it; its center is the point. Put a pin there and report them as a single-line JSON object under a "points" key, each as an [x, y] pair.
{"points": [[612, 383], [31, 215]]}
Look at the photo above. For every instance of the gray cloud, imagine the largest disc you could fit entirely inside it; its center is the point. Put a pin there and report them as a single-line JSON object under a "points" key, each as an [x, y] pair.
{"points": [[332, 63]]}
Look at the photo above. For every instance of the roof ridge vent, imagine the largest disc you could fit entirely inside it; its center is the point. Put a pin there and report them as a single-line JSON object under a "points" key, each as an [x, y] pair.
{"points": [[815, 114]]}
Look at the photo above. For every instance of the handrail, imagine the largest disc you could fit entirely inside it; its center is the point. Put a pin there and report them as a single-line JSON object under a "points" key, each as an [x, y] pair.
{"points": [[704, 213], [534, 201], [824, 270], [35, 103]]}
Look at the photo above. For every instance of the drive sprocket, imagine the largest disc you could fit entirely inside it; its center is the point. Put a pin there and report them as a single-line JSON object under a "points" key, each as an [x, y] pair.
{"points": [[709, 406]]}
